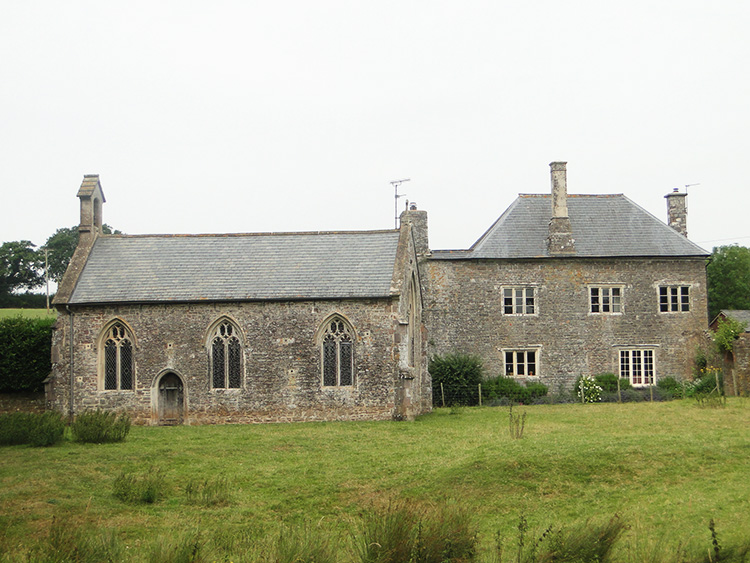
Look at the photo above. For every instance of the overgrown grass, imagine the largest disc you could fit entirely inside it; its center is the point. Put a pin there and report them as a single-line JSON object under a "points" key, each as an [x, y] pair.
{"points": [[666, 468]]}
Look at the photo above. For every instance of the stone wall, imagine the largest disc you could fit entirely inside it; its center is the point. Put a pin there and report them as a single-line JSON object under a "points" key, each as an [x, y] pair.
{"points": [[282, 361], [463, 313], [737, 369]]}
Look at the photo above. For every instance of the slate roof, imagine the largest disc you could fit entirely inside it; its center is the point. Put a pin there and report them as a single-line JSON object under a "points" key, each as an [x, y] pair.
{"points": [[153, 268], [741, 315], [602, 226]]}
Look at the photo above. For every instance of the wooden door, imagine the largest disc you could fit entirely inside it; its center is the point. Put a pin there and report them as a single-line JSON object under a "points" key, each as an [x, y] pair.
{"points": [[171, 399]]}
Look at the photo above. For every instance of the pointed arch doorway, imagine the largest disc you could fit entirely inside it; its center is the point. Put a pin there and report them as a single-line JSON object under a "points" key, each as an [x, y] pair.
{"points": [[170, 399]]}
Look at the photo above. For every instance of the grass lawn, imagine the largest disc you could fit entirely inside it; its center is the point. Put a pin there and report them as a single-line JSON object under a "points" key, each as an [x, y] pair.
{"points": [[665, 468], [32, 313]]}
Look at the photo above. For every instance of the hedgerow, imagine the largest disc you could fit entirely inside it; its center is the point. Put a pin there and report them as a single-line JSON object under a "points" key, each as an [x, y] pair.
{"points": [[25, 345]]}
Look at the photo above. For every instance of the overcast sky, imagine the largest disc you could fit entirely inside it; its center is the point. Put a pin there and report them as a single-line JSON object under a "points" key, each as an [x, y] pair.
{"points": [[205, 117]]}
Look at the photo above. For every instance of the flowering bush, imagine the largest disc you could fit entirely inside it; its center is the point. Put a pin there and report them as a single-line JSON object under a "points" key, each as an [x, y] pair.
{"points": [[587, 390]]}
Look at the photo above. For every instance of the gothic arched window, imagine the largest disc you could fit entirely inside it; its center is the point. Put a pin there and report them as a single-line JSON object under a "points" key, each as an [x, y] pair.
{"points": [[226, 357], [117, 349], [337, 353]]}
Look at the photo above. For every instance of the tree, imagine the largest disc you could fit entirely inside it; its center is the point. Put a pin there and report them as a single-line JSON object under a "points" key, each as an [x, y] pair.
{"points": [[728, 279], [21, 267], [60, 248]]}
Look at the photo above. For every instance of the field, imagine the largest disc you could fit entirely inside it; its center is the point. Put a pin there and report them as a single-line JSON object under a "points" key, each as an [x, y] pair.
{"points": [[32, 313], [666, 468]]}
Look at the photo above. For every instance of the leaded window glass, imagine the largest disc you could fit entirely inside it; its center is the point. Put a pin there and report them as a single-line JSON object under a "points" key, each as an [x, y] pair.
{"points": [[118, 358], [226, 357], [337, 354]]}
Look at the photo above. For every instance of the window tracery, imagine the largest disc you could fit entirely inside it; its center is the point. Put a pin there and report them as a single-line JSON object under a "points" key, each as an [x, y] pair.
{"points": [[118, 358], [337, 354], [226, 357]]}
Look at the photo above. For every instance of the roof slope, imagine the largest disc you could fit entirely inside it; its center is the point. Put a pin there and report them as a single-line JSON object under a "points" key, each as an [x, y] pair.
{"points": [[602, 225], [741, 315], [238, 267]]}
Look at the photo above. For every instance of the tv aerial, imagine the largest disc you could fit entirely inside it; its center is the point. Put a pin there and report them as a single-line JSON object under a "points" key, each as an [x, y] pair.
{"points": [[396, 184]]}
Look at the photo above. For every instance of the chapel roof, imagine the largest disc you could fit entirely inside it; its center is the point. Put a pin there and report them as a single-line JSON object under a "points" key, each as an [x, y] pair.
{"points": [[270, 266], [602, 226]]}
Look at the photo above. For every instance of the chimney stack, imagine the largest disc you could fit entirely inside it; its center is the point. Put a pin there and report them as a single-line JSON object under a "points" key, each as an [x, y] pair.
{"points": [[91, 196], [677, 211], [560, 240], [418, 221]]}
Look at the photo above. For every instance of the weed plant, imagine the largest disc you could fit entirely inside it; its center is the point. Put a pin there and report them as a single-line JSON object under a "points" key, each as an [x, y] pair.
{"points": [[212, 491], [301, 545], [402, 533], [146, 488], [188, 547], [70, 543], [516, 424], [100, 427]]}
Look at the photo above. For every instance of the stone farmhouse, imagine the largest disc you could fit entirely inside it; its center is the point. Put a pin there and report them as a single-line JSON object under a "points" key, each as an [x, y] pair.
{"points": [[339, 325], [567, 285]]}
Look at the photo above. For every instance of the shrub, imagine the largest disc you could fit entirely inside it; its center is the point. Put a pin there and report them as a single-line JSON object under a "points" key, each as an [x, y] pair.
{"points": [[460, 376], [43, 429], [25, 345], [608, 382], [15, 428], [47, 430], [100, 427], [706, 384], [506, 390], [536, 390], [587, 390], [499, 387], [670, 385]]}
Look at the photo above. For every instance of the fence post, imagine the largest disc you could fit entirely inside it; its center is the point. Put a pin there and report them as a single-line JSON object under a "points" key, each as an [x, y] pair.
{"points": [[442, 393], [619, 391], [480, 394]]}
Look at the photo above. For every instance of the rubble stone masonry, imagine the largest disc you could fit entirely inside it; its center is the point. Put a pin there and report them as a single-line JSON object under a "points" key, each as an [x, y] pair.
{"points": [[464, 313]]}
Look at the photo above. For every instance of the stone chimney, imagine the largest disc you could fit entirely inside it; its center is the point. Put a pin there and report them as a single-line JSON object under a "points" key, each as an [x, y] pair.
{"points": [[677, 211], [418, 221], [560, 239], [91, 196]]}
